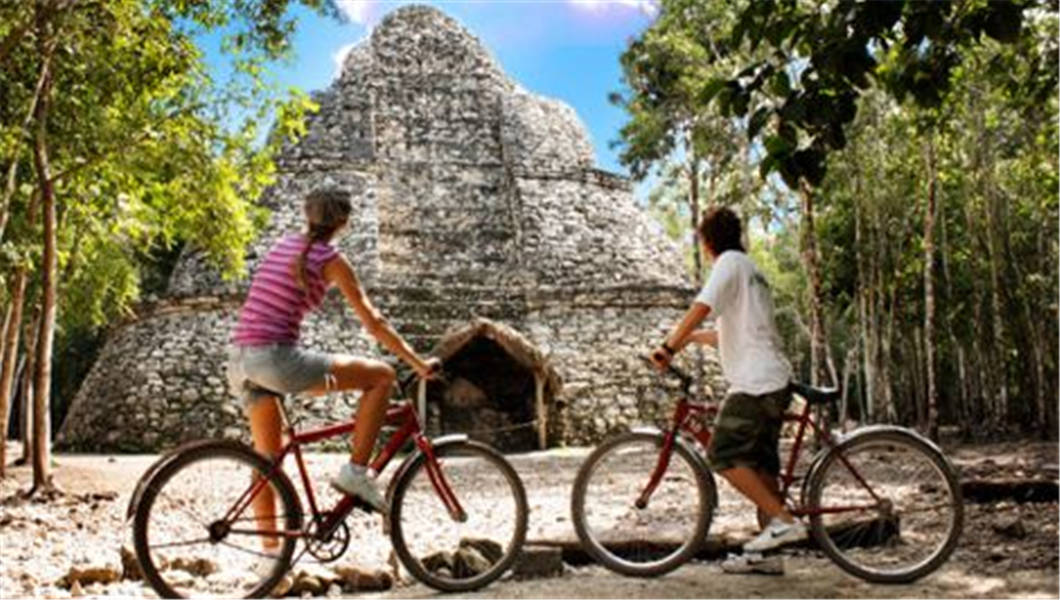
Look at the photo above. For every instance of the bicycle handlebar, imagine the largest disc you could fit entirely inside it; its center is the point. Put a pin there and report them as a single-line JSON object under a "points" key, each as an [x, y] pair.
{"points": [[685, 378], [408, 380]]}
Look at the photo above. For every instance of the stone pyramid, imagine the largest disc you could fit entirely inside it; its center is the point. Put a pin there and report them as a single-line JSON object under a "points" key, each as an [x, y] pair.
{"points": [[474, 199]]}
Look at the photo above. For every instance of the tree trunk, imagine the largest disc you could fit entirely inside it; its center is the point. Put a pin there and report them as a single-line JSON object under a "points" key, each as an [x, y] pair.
{"points": [[1048, 255], [697, 252], [12, 328], [693, 205], [819, 355], [888, 411], [932, 396], [42, 477], [958, 348], [25, 388], [867, 291], [997, 315]]}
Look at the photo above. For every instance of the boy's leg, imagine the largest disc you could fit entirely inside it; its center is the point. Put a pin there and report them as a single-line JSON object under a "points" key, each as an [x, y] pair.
{"points": [[266, 428], [773, 483], [757, 489]]}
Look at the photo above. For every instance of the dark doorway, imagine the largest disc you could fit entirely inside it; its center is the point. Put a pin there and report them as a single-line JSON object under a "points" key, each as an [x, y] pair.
{"points": [[488, 396]]}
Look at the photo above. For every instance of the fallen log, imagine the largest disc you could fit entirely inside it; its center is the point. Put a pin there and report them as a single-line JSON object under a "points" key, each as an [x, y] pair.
{"points": [[1016, 490], [863, 534]]}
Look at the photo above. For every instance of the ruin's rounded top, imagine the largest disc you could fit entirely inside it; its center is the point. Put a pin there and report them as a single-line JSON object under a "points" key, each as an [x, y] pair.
{"points": [[419, 39]]}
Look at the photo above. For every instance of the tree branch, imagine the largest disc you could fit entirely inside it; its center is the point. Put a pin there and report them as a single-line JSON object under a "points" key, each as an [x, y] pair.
{"points": [[125, 145], [9, 43], [12, 172]]}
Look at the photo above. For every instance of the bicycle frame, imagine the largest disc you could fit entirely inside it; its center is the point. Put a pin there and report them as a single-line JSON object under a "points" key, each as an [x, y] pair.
{"points": [[402, 415], [690, 418]]}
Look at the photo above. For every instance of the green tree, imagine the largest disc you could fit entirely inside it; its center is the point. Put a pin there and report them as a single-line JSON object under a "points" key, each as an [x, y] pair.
{"points": [[809, 62], [132, 147], [689, 149]]}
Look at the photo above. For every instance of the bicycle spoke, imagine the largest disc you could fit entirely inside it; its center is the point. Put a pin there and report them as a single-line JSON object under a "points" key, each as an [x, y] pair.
{"points": [[180, 506], [913, 527], [205, 540], [247, 550], [462, 554], [641, 540], [178, 521]]}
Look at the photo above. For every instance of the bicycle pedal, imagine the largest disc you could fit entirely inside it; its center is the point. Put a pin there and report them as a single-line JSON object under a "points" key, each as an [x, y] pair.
{"points": [[363, 506]]}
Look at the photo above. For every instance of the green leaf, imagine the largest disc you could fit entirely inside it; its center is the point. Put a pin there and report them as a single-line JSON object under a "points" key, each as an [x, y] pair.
{"points": [[780, 84], [757, 121], [711, 89]]}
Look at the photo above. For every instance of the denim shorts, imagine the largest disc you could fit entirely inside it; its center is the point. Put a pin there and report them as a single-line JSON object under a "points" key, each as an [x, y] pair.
{"points": [[256, 372]]}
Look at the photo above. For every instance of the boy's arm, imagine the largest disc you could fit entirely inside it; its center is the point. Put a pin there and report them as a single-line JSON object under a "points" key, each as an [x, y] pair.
{"points": [[703, 337], [678, 338]]}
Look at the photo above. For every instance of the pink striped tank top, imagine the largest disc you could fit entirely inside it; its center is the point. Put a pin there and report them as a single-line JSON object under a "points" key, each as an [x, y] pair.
{"points": [[275, 306]]}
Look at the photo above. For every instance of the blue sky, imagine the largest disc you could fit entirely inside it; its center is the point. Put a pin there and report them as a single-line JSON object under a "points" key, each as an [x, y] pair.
{"points": [[564, 49]]}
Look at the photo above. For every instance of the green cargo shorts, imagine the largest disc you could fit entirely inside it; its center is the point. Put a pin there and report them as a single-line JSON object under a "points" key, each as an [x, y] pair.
{"points": [[747, 431]]}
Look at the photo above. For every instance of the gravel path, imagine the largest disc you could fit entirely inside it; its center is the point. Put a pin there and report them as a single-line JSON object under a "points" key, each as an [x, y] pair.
{"points": [[41, 540]]}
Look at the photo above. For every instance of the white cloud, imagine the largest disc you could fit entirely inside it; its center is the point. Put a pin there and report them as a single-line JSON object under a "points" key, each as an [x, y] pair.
{"points": [[357, 11], [648, 7], [339, 56]]}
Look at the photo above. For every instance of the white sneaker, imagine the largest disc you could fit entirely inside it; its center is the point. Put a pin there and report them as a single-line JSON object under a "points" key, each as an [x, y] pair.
{"points": [[775, 535], [752, 562], [353, 480]]}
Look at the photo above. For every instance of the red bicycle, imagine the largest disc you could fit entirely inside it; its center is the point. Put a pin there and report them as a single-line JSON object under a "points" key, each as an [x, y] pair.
{"points": [[882, 502], [458, 513]]}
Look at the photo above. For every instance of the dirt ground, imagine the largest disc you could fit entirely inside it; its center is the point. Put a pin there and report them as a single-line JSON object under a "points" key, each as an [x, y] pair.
{"points": [[1009, 549]]}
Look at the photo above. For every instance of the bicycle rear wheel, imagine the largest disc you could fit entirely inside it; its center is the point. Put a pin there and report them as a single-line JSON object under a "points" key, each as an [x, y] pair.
{"points": [[642, 541], [891, 506], [459, 553], [189, 546]]}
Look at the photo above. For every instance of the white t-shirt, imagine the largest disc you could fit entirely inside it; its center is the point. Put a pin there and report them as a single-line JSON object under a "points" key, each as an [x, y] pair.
{"points": [[739, 297]]}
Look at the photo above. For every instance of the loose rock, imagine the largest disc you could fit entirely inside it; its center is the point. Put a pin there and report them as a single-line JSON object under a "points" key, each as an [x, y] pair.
{"points": [[539, 561]]}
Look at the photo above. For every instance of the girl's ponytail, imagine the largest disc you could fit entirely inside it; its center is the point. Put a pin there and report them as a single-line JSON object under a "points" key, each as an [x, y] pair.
{"points": [[326, 211]]}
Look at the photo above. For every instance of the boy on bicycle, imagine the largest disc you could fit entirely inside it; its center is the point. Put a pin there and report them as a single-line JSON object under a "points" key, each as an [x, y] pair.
{"points": [[743, 449]]}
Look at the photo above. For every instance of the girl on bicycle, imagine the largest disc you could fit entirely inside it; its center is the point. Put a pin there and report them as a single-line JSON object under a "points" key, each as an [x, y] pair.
{"points": [[743, 449], [266, 360]]}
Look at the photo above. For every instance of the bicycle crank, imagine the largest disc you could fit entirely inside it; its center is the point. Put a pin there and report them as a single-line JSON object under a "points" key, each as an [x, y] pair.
{"points": [[331, 547]]}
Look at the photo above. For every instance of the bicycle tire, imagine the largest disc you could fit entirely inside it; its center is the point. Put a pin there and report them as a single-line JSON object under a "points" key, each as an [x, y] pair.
{"points": [[883, 532], [618, 561], [156, 486], [410, 481]]}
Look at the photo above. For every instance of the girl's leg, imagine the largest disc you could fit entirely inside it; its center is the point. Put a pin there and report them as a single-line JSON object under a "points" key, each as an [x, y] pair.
{"points": [[376, 380], [266, 427]]}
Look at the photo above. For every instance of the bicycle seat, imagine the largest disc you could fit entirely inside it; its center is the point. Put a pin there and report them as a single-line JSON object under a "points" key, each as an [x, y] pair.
{"points": [[258, 391], [815, 395]]}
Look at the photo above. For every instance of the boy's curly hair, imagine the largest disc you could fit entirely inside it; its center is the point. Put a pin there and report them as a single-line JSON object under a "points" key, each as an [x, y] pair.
{"points": [[721, 230]]}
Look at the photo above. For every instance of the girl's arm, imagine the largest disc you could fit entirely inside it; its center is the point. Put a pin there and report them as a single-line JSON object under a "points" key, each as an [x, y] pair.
{"points": [[339, 272]]}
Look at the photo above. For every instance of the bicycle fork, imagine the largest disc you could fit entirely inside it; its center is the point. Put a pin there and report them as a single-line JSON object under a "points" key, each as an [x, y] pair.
{"points": [[438, 481], [661, 465]]}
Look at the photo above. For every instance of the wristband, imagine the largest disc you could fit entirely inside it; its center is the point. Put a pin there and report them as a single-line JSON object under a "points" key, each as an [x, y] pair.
{"points": [[669, 350]]}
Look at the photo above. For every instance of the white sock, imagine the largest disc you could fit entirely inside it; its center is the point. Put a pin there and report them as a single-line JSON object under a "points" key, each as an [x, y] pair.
{"points": [[356, 469]]}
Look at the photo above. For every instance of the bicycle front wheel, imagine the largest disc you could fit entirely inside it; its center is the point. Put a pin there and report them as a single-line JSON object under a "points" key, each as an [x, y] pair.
{"points": [[634, 537], [465, 550], [886, 506], [188, 541]]}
